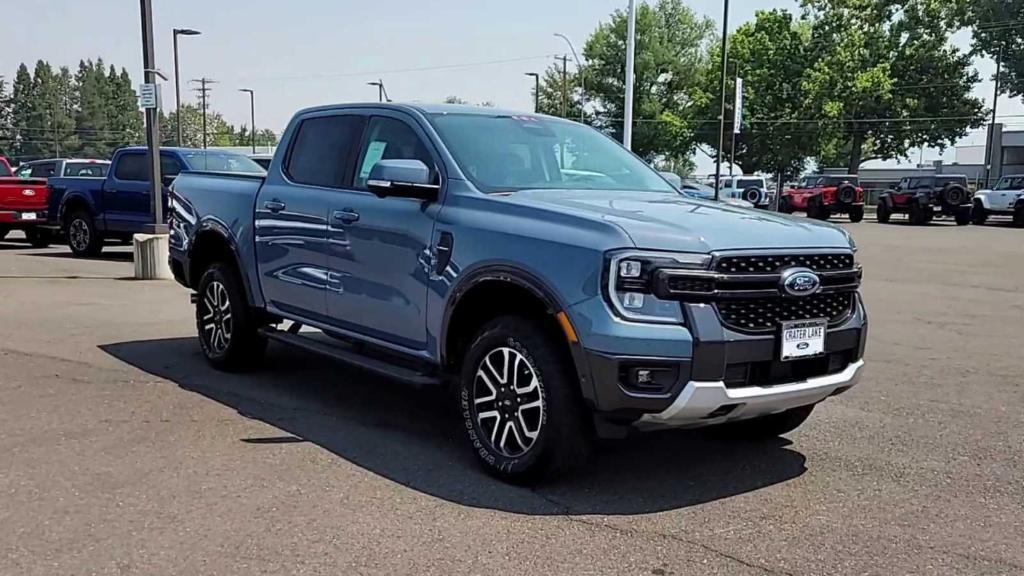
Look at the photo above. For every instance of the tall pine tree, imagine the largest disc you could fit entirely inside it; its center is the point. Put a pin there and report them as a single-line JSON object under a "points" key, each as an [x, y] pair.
{"points": [[123, 112], [91, 118], [23, 105], [6, 121]]}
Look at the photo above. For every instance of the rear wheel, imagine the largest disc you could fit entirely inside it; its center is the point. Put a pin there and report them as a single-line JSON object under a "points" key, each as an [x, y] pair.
{"points": [[918, 216], [520, 406], [228, 329], [3, 233], [83, 238], [856, 214], [816, 210], [38, 237], [1018, 217], [978, 213], [962, 217], [785, 205], [770, 426], [883, 213]]}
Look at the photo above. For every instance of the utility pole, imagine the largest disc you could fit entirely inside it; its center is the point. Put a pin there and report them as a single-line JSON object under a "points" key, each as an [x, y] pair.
{"points": [[721, 118], [152, 117], [627, 121], [565, 84], [735, 101], [581, 72], [204, 92], [992, 125], [252, 114], [177, 78], [536, 90]]}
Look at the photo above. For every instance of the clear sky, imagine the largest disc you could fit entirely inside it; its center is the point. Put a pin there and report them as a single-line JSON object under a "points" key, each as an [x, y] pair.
{"points": [[305, 52]]}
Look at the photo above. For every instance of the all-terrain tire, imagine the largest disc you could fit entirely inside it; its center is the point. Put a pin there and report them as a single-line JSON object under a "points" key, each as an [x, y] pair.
{"points": [[856, 214], [978, 213], [83, 237], [228, 327], [883, 213], [520, 402]]}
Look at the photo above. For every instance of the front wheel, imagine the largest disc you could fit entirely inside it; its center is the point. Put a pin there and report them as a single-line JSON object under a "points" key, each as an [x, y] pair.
{"points": [[883, 213], [978, 214], [3, 233], [856, 214], [817, 210], [228, 331], [962, 217], [772, 425], [38, 238], [519, 403], [1018, 217], [918, 216], [83, 238], [785, 205]]}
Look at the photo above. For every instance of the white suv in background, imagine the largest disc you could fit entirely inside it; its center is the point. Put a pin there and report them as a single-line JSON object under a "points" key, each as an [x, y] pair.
{"points": [[1003, 199], [752, 189]]}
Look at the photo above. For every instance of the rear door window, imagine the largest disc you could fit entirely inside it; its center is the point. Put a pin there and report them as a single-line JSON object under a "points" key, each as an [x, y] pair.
{"points": [[86, 169], [132, 167], [323, 149]]}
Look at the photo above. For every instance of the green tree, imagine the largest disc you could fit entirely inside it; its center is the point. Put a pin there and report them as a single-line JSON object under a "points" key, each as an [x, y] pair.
{"points": [[997, 26], [459, 100], [672, 47], [92, 120], [23, 104], [551, 91], [266, 137], [7, 140], [771, 54], [885, 78], [124, 117], [218, 131]]}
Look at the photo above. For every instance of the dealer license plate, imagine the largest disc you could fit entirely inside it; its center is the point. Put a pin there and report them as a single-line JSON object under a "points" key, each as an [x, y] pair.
{"points": [[28, 215], [803, 339]]}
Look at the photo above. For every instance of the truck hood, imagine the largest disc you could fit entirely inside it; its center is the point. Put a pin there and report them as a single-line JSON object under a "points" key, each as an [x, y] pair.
{"points": [[665, 221]]}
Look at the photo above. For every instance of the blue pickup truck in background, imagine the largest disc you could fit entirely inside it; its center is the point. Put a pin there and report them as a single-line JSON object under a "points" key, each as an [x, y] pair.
{"points": [[92, 210], [563, 287]]}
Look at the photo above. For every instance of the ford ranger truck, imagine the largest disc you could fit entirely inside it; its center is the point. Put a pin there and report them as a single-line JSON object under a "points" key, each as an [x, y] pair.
{"points": [[559, 284], [91, 210]]}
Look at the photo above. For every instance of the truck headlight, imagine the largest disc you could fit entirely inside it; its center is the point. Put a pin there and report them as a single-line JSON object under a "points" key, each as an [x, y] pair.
{"points": [[629, 287]]}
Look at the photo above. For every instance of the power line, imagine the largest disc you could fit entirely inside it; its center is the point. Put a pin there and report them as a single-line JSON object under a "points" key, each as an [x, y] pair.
{"points": [[401, 70]]}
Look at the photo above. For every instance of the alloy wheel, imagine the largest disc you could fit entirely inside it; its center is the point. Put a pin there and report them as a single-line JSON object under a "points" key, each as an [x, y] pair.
{"points": [[216, 320], [508, 399], [78, 235]]}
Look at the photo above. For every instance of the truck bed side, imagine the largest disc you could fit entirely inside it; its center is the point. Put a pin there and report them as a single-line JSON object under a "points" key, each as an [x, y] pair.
{"points": [[69, 194], [207, 206]]}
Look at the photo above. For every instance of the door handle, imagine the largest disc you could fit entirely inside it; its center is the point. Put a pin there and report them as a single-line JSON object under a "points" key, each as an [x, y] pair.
{"points": [[274, 205], [346, 216]]}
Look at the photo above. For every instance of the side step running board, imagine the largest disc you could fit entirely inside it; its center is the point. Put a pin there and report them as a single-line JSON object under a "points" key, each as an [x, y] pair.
{"points": [[348, 356]]}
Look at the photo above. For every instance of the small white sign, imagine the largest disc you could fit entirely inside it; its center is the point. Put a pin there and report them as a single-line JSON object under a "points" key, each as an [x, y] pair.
{"points": [[149, 96]]}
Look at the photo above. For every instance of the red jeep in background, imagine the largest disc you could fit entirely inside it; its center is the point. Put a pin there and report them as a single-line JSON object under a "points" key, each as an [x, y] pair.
{"points": [[822, 196], [23, 206]]}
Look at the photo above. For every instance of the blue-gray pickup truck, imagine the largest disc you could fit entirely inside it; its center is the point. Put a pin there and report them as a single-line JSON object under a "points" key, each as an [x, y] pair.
{"points": [[560, 285], [91, 210]]}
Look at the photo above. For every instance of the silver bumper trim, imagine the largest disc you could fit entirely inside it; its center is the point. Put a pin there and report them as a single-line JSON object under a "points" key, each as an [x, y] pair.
{"points": [[699, 399]]}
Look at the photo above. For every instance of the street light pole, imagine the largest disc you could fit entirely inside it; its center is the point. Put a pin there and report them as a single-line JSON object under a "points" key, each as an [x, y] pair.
{"points": [[380, 89], [152, 116], [536, 90], [252, 114], [989, 145], [177, 76], [579, 69], [627, 121], [721, 118], [735, 101]]}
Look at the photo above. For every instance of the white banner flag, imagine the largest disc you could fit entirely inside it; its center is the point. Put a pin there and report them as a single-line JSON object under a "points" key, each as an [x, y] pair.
{"points": [[737, 119]]}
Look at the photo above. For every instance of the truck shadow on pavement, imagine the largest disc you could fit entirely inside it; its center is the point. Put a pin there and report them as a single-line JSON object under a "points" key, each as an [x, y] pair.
{"points": [[410, 436]]}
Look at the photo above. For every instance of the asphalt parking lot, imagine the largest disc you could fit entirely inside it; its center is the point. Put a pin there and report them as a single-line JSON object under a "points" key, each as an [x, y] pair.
{"points": [[122, 453]]}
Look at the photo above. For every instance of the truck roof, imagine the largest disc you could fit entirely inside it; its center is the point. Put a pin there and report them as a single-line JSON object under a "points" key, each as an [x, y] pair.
{"points": [[426, 108]]}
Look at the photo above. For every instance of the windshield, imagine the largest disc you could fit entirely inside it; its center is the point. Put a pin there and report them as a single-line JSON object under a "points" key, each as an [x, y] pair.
{"points": [[217, 161], [507, 153], [1008, 183], [86, 169]]}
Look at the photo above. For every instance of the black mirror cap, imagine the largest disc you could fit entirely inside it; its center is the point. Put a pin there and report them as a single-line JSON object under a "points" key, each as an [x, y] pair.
{"points": [[403, 178], [168, 180]]}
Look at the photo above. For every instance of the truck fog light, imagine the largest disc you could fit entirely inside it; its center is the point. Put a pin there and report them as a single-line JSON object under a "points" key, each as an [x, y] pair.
{"points": [[629, 269], [632, 300]]}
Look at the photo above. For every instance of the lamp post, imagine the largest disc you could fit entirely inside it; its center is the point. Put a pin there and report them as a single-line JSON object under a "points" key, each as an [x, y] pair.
{"points": [[177, 79], [252, 115], [721, 118], [536, 90], [627, 122], [382, 93], [580, 71]]}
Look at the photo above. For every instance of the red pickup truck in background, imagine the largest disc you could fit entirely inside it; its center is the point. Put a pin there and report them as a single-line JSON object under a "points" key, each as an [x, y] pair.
{"points": [[23, 206]]}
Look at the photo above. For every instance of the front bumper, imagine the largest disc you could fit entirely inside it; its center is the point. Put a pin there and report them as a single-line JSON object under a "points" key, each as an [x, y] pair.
{"points": [[712, 374], [706, 403]]}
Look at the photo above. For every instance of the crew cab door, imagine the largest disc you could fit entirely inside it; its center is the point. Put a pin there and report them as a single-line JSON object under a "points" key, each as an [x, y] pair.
{"points": [[380, 247], [127, 194], [292, 209]]}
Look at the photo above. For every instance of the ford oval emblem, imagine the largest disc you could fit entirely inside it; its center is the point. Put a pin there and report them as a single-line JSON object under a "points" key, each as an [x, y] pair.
{"points": [[28, 192], [799, 282]]}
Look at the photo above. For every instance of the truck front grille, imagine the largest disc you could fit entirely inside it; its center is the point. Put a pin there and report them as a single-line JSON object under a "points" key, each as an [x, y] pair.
{"points": [[763, 314], [772, 263]]}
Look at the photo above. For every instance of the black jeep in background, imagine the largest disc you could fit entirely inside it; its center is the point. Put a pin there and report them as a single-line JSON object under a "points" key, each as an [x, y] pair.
{"points": [[924, 197]]}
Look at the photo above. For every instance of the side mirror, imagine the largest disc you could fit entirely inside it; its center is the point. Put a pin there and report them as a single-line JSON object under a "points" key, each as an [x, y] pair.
{"points": [[402, 178], [167, 180]]}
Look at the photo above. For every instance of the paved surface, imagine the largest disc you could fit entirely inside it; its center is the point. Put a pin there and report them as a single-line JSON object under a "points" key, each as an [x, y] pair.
{"points": [[122, 453]]}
